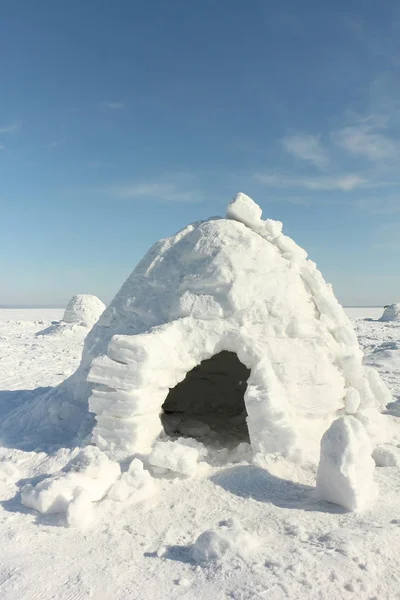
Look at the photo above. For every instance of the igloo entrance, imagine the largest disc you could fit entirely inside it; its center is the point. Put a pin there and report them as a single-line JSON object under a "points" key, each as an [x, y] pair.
{"points": [[209, 403]]}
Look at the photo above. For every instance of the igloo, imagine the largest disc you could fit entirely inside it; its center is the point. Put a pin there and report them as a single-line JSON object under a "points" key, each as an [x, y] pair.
{"points": [[225, 329], [391, 313], [82, 311]]}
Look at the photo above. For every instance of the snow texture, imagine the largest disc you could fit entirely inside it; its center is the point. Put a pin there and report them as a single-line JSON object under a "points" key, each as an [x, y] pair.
{"points": [[386, 455], [81, 313], [346, 468], [308, 550], [174, 457], [391, 313], [135, 485], [227, 542], [86, 478], [239, 285]]}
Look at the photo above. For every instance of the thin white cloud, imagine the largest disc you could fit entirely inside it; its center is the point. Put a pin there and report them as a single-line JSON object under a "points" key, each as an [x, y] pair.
{"points": [[344, 183], [381, 205], [307, 147], [11, 127], [163, 191], [114, 105], [367, 141], [2, 146]]}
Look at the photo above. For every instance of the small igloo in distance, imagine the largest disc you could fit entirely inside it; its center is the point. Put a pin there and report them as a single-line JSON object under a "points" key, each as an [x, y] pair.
{"points": [[84, 310], [225, 328], [391, 312], [81, 313]]}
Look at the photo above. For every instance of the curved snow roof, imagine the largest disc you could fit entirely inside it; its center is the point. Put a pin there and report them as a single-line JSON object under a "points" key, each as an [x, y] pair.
{"points": [[81, 313], [83, 309], [236, 284]]}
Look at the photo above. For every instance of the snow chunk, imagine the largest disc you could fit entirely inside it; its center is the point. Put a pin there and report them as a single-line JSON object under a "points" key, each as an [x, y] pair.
{"points": [[229, 541], [90, 471], [9, 473], [391, 313], [346, 468], [175, 456], [133, 486], [80, 510], [245, 210], [386, 455]]}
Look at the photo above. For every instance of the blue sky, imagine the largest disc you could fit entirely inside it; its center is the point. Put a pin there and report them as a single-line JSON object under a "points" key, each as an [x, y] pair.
{"points": [[120, 122]]}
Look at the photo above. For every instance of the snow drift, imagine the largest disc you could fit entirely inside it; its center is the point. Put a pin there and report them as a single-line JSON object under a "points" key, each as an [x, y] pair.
{"points": [[81, 313]]}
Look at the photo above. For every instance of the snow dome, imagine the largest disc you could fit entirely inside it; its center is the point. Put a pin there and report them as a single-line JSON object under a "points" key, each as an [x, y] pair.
{"points": [[225, 332], [391, 313], [82, 311]]}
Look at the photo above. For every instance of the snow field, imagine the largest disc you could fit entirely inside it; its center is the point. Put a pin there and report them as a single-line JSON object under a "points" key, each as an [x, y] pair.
{"points": [[142, 547]]}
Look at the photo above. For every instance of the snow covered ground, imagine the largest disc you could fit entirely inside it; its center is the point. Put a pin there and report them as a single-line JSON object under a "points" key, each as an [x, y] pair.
{"points": [[234, 531]]}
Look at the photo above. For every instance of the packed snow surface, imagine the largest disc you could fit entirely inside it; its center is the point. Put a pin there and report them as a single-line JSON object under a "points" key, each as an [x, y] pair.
{"points": [[271, 537]]}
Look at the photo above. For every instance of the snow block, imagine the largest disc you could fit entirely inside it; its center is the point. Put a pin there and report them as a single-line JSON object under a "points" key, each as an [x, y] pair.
{"points": [[90, 471], [245, 210], [175, 457], [346, 469]]}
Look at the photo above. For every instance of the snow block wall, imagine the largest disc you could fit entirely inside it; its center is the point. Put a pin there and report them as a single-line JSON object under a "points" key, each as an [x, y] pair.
{"points": [[240, 285]]}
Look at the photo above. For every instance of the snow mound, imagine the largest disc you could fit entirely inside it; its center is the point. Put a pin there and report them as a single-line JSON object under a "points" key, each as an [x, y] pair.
{"points": [[175, 456], [85, 479], [386, 455], [391, 313], [346, 468], [228, 542], [134, 486], [82, 311]]}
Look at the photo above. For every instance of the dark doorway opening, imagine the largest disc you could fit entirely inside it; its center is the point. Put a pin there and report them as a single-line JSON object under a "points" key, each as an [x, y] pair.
{"points": [[209, 403]]}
